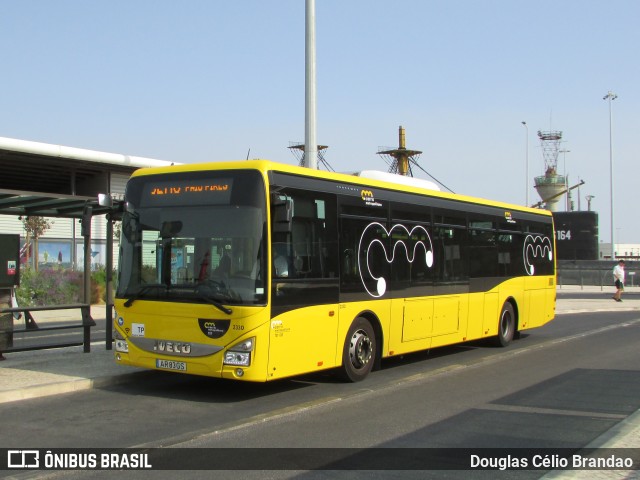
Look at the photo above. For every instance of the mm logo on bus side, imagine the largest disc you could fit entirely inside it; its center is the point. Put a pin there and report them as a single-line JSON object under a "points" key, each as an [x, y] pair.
{"points": [[408, 245], [368, 198], [536, 248], [366, 195], [509, 217]]}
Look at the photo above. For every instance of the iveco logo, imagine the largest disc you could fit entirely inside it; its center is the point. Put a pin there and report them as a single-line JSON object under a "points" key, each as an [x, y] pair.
{"points": [[172, 347]]}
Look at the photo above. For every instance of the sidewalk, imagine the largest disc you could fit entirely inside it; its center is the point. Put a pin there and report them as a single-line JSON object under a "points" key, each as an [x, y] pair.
{"points": [[576, 299], [26, 375], [40, 373]]}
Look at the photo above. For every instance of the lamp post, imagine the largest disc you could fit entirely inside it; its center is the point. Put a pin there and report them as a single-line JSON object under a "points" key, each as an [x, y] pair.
{"points": [[526, 168], [589, 198], [609, 97], [310, 143], [566, 179]]}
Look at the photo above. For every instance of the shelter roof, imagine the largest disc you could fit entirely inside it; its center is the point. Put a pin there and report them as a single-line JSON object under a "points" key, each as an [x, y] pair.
{"points": [[21, 203], [57, 181]]}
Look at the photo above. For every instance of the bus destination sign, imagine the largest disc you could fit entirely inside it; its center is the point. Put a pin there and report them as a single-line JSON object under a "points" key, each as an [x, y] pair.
{"points": [[187, 192]]}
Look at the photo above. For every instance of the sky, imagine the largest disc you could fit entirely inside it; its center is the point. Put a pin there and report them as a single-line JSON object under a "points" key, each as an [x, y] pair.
{"points": [[210, 80]]}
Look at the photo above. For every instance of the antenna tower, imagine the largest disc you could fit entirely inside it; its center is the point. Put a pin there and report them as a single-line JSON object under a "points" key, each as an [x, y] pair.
{"points": [[298, 150], [550, 185], [550, 143]]}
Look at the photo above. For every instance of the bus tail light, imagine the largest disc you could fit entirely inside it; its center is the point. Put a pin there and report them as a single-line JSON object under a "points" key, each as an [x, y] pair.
{"points": [[240, 353]]}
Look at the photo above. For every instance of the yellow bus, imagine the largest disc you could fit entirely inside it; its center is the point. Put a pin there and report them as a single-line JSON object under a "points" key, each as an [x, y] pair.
{"points": [[257, 271]]}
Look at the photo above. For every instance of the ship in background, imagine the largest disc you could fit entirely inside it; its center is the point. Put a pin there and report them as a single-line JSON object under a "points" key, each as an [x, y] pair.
{"points": [[576, 231]]}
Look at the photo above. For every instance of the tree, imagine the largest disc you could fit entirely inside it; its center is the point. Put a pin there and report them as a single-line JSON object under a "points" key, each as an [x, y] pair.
{"points": [[35, 228]]}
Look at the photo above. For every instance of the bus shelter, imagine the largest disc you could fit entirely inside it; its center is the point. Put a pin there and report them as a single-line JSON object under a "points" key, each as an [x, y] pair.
{"points": [[82, 209]]}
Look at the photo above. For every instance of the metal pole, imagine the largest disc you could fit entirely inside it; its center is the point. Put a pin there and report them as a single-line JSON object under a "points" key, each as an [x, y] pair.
{"points": [[109, 280], [567, 202], [87, 268], [86, 234], [85, 222], [526, 170], [310, 143], [611, 96], [402, 158]]}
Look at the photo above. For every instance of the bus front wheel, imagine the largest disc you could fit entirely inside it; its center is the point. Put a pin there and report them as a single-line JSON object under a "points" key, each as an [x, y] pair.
{"points": [[506, 325], [359, 352]]}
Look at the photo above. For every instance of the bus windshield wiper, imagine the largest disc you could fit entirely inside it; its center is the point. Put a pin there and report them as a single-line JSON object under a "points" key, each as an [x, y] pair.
{"points": [[207, 291], [142, 291], [209, 299]]}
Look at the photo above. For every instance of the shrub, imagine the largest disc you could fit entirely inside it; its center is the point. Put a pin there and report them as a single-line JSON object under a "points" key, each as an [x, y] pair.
{"points": [[57, 286]]}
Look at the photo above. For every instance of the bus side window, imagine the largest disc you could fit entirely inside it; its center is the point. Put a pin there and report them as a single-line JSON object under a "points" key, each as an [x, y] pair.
{"points": [[311, 238], [483, 252], [449, 245]]}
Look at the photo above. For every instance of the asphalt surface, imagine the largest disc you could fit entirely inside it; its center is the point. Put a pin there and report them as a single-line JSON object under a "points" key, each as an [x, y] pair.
{"points": [[40, 373]]}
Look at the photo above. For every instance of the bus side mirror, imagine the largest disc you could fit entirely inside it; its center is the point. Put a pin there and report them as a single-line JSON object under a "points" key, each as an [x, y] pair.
{"points": [[282, 214], [105, 200]]}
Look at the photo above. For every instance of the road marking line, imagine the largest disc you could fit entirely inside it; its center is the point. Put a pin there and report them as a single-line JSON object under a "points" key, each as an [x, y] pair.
{"points": [[549, 411]]}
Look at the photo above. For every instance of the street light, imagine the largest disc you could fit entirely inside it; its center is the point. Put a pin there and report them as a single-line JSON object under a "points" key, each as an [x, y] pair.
{"points": [[589, 198], [526, 171], [310, 142], [611, 96], [566, 179]]}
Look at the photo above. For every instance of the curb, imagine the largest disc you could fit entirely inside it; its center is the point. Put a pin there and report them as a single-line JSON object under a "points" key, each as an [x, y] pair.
{"points": [[67, 386], [597, 310]]}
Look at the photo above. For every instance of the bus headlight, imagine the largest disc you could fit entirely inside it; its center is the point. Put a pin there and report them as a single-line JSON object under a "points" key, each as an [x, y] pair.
{"points": [[122, 346], [240, 354]]}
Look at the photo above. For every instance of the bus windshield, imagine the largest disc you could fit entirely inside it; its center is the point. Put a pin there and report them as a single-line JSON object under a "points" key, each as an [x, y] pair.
{"points": [[196, 237]]}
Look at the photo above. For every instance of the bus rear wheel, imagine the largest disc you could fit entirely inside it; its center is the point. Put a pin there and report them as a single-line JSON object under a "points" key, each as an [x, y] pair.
{"points": [[506, 325], [359, 352]]}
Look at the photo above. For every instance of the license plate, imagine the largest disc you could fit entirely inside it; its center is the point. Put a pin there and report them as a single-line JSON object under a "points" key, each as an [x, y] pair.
{"points": [[171, 365]]}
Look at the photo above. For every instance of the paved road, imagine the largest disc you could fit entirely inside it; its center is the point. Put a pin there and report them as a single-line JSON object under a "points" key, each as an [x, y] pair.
{"points": [[575, 378]]}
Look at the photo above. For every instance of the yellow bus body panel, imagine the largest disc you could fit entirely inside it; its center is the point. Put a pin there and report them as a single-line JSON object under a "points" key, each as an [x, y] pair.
{"points": [[303, 341], [178, 323]]}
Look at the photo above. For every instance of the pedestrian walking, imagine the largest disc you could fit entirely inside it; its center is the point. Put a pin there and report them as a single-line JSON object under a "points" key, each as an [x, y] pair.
{"points": [[618, 279]]}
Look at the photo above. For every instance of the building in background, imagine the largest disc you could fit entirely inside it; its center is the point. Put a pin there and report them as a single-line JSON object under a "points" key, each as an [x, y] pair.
{"points": [[49, 172]]}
